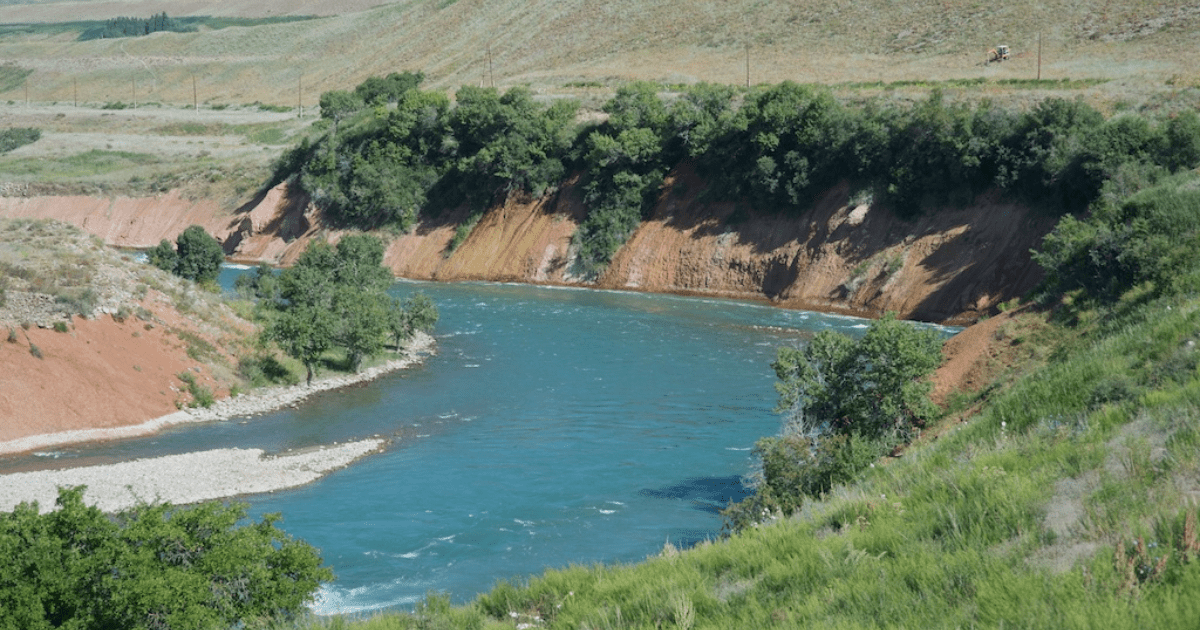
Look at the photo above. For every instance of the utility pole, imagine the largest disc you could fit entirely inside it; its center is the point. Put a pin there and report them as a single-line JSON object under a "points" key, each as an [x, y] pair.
{"points": [[1039, 56], [747, 66], [491, 74]]}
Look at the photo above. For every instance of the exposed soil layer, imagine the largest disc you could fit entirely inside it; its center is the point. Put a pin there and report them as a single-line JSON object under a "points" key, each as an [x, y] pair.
{"points": [[951, 265]]}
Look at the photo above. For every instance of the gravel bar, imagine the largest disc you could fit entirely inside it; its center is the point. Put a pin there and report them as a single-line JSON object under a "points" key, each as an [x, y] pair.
{"points": [[181, 479]]}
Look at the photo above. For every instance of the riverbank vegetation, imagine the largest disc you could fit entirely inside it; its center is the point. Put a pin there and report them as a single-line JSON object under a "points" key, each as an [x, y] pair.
{"points": [[153, 566], [335, 297], [1061, 493], [773, 147]]}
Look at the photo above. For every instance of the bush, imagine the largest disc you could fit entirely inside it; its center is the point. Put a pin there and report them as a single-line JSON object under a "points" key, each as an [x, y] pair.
{"points": [[200, 255], [17, 137], [201, 395], [1150, 238], [60, 327], [154, 566], [847, 402], [264, 369]]}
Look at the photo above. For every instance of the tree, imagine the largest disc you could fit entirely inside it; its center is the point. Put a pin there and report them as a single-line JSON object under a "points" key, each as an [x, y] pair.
{"points": [[417, 313], [154, 566], [200, 255], [305, 332], [337, 104], [847, 402], [875, 386], [337, 297], [164, 256]]}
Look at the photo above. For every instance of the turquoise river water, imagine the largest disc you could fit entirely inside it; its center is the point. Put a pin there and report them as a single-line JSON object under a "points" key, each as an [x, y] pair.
{"points": [[552, 427]]}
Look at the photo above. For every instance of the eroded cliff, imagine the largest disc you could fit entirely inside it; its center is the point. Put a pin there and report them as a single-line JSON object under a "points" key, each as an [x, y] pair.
{"points": [[952, 265]]}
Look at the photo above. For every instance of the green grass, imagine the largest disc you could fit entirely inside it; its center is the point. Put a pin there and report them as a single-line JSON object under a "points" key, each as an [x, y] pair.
{"points": [[955, 533], [80, 166]]}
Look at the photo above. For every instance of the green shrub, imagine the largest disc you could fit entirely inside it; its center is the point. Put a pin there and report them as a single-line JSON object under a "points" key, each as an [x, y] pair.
{"points": [[152, 566], [16, 137], [264, 369], [201, 395], [35, 351], [60, 327]]}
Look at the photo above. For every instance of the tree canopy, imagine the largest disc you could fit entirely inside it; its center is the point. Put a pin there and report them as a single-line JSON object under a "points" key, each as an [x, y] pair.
{"points": [[195, 255], [336, 297], [153, 566]]}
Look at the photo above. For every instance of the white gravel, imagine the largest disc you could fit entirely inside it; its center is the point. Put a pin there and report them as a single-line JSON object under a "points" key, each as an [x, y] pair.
{"points": [[179, 479]]}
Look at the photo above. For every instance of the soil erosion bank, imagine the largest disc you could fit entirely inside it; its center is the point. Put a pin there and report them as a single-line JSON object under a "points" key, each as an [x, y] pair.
{"points": [[951, 266]]}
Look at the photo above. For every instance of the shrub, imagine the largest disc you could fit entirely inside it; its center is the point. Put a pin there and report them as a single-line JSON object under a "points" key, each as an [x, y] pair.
{"points": [[60, 327], [1148, 238], [264, 369], [17, 137], [12, 335], [848, 402], [35, 351], [153, 566], [201, 395]]}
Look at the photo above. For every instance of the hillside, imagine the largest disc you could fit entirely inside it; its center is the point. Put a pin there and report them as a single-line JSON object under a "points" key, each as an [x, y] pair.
{"points": [[97, 340], [551, 45]]}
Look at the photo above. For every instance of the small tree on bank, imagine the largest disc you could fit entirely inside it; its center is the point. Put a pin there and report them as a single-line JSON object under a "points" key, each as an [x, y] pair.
{"points": [[846, 403], [336, 297], [196, 255]]}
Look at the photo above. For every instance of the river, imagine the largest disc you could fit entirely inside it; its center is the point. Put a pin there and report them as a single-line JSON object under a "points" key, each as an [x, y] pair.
{"points": [[552, 427]]}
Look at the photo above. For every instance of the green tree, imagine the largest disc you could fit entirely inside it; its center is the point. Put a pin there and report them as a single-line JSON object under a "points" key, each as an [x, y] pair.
{"points": [[200, 255], [846, 402], [875, 386], [335, 297], [389, 89], [338, 104], [305, 332], [154, 566], [164, 256], [416, 313]]}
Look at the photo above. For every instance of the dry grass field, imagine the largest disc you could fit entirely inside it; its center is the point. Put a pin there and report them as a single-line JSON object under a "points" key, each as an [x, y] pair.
{"points": [[1138, 45], [208, 111]]}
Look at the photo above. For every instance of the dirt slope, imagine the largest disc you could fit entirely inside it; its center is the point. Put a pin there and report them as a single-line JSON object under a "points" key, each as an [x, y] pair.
{"points": [[947, 266], [950, 265]]}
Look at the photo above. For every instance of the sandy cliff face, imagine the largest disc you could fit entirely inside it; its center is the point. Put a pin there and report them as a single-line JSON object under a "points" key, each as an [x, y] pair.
{"points": [[949, 266]]}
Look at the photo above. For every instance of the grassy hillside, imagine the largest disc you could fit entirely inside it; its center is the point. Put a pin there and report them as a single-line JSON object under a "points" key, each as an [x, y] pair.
{"points": [[1063, 494], [552, 43]]}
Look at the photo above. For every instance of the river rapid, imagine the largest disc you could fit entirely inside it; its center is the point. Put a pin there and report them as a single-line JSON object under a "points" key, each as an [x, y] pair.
{"points": [[552, 427]]}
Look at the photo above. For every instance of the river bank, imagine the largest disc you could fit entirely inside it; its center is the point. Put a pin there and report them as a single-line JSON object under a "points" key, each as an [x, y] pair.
{"points": [[186, 478], [247, 404]]}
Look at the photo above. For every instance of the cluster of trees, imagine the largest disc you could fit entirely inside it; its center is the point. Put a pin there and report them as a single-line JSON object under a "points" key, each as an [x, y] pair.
{"points": [[846, 402], [1150, 239], [336, 297], [14, 138], [153, 566], [773, 146], [194, 255], [136, 27], [383, 164]]}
